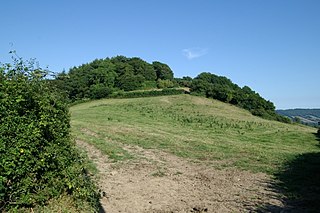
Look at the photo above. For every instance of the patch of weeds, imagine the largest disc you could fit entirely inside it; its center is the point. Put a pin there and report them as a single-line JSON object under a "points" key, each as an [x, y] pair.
{"points": [[178, 173], [158, 173]]}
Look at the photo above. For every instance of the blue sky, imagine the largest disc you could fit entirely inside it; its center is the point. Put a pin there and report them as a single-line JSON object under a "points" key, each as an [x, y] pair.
{"points": [[273, 46]]}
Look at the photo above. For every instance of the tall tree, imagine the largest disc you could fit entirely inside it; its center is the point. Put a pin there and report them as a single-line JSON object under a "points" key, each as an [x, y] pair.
{"points": [[141, 67], [163, 71]]}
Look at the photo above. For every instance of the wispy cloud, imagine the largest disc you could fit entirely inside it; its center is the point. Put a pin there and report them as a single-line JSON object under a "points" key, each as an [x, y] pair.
{"points": [[192, 53]]}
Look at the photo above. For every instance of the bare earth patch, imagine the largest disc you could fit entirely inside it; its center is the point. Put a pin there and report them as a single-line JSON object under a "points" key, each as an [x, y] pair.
{"points": [[156, 181]]}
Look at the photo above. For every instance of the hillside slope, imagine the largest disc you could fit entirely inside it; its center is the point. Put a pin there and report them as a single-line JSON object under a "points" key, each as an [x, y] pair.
{"points": [[193, 127], [307, 116], [186, 144]]}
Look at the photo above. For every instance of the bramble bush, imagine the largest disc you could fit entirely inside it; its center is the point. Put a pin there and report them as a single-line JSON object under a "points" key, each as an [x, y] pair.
{"points": [[39, 160]]}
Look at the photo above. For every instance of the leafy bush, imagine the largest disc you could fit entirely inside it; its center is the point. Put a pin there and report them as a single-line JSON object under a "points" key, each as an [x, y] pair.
{"points": [[184, 81], [38, 158], [129, 82], [98, 91], [149, 85], [165, 84]]}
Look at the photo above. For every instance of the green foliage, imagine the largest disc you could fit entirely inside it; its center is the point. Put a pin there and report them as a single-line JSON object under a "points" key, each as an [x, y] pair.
{"points": [[79, 82], [128, 81], [38, 158], [147, 85], [221, 88], [163, 71], [100, 78], [98, 91], [143, 68], [165, 84], [184, 81], [147, 93]]}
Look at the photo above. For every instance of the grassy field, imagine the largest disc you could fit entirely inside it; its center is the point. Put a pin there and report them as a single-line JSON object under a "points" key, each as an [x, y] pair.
{"points": [[192, 127]]}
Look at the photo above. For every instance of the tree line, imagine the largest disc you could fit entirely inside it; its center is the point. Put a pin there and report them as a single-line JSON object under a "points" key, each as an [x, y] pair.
{"points": [[102, 77], [223, 89]]}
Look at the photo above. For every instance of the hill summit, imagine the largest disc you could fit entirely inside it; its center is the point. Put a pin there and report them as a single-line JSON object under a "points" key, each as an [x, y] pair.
{"points": [[103, 77]]}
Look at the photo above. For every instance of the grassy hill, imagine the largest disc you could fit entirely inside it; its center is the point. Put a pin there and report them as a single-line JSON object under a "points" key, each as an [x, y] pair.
{"points": [[192, 127]]}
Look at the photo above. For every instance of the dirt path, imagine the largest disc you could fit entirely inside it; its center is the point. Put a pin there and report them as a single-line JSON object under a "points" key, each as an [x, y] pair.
{"points": [[160, 182]]}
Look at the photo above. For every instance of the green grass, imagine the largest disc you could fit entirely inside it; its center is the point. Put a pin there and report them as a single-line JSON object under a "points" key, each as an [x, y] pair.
{"points": [[63, 204], [196, 128]]}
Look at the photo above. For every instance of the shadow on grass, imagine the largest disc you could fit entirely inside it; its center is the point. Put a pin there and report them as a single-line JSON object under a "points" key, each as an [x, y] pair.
{"points": [[318, 136], [101, 209], [299, 183]]}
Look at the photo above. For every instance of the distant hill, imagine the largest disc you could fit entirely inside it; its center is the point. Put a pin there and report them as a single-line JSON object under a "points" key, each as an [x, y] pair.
{"points": [[306, 116]]}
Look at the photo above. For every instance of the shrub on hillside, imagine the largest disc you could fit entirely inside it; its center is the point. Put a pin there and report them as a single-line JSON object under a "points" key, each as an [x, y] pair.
{"points": [[165, 84], [149, 93], [98, 91], [38, 158]]}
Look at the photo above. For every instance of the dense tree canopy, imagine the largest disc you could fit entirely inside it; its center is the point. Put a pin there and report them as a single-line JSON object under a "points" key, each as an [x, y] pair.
{"points": [[184, 81], [163, 71], [101, 77]]}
